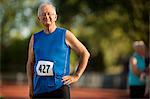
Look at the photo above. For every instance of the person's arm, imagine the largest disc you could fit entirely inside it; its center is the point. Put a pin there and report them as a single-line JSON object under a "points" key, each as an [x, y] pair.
{"points": [[134, 66], [80, 49], [29, 66]]}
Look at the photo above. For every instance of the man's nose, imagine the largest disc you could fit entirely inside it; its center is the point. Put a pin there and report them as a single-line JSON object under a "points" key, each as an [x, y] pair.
{"points": [[47, 16]]}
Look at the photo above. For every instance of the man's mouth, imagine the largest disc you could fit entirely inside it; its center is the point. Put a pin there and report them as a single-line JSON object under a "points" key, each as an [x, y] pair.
{"points": [[48, 22]]}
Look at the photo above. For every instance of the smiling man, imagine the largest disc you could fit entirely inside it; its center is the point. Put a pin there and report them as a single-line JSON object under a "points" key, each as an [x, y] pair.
{"points": [[48, 64]]}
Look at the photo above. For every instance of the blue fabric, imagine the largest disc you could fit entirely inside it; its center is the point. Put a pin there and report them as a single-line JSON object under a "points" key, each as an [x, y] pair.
{"points": [[134, 80], [51, 47]]}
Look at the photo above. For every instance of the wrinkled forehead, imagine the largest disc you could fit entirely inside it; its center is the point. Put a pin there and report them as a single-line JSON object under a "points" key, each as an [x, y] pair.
{"points": [[44, 8]]}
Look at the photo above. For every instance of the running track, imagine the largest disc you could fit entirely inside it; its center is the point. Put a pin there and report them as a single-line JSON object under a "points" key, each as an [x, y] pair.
{"points": [[21, 91]]}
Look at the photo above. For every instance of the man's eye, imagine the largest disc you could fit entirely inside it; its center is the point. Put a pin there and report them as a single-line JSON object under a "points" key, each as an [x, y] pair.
{"points": [[43, 18], [43, 14]]}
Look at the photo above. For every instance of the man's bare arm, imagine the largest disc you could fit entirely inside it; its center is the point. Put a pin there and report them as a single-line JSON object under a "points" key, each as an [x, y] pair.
{"points": [[29, 66], [80, 49]]}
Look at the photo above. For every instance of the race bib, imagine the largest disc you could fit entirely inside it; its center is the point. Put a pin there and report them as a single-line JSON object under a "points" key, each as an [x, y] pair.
{"points": [[44, 68]]}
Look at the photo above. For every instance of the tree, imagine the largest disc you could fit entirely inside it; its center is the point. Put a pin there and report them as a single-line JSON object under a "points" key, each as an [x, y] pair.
{"points": [[106, 27]]}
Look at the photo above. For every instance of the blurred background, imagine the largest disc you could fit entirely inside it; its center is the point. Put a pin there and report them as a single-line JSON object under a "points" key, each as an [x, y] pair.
{"points": [[106, 27]]}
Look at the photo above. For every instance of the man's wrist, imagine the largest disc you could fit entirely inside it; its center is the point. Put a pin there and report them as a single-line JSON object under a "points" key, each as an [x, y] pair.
{"points": [[77, 75]]}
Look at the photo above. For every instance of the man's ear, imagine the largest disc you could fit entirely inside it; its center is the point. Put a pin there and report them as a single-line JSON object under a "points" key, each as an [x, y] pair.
{"points": [[38, 19], [55, 17]]}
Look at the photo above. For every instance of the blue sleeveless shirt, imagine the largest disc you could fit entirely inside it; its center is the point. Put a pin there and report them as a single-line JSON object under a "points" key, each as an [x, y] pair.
{"points": [[52, 48]]}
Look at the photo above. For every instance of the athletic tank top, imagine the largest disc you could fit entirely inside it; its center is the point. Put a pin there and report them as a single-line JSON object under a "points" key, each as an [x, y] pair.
{"points": [[52, 60], [133, 79]]}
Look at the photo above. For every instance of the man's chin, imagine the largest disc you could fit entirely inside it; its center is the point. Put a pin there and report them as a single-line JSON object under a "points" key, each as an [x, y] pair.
{"points": [[47, 24]]}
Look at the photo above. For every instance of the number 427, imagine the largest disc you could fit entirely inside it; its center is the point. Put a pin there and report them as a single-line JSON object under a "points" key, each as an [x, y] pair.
{"points": [[44, 68]]}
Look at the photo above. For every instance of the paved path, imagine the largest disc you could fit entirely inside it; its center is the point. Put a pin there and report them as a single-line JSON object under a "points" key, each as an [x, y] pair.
{"points": [[21, 91]]}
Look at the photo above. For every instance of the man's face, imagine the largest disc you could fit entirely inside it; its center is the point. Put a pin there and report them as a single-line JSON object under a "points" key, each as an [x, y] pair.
{"points": [[47, 15]]}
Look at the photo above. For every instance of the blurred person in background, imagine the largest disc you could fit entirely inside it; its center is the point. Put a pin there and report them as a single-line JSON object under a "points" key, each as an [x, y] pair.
{"points": [[49, 58], [136, 69]]}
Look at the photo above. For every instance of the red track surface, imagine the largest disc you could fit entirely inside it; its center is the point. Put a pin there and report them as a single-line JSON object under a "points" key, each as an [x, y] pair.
{"points": [[14, 91]]}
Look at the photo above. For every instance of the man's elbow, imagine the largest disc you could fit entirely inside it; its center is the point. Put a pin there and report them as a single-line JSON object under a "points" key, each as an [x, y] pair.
{"points": [[87, 54], [29, 64]]}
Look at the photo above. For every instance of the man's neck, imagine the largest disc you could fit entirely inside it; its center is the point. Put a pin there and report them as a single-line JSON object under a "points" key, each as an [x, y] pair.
{"points": [[50, 29]]}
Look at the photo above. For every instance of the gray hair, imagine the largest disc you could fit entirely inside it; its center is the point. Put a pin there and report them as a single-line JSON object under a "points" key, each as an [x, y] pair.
{"points": [[138, 45], [45, 4]]}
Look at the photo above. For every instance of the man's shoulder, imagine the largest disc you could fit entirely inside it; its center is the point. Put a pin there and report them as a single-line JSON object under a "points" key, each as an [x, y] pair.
{"points": [[38, 32], [62, 29]]}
